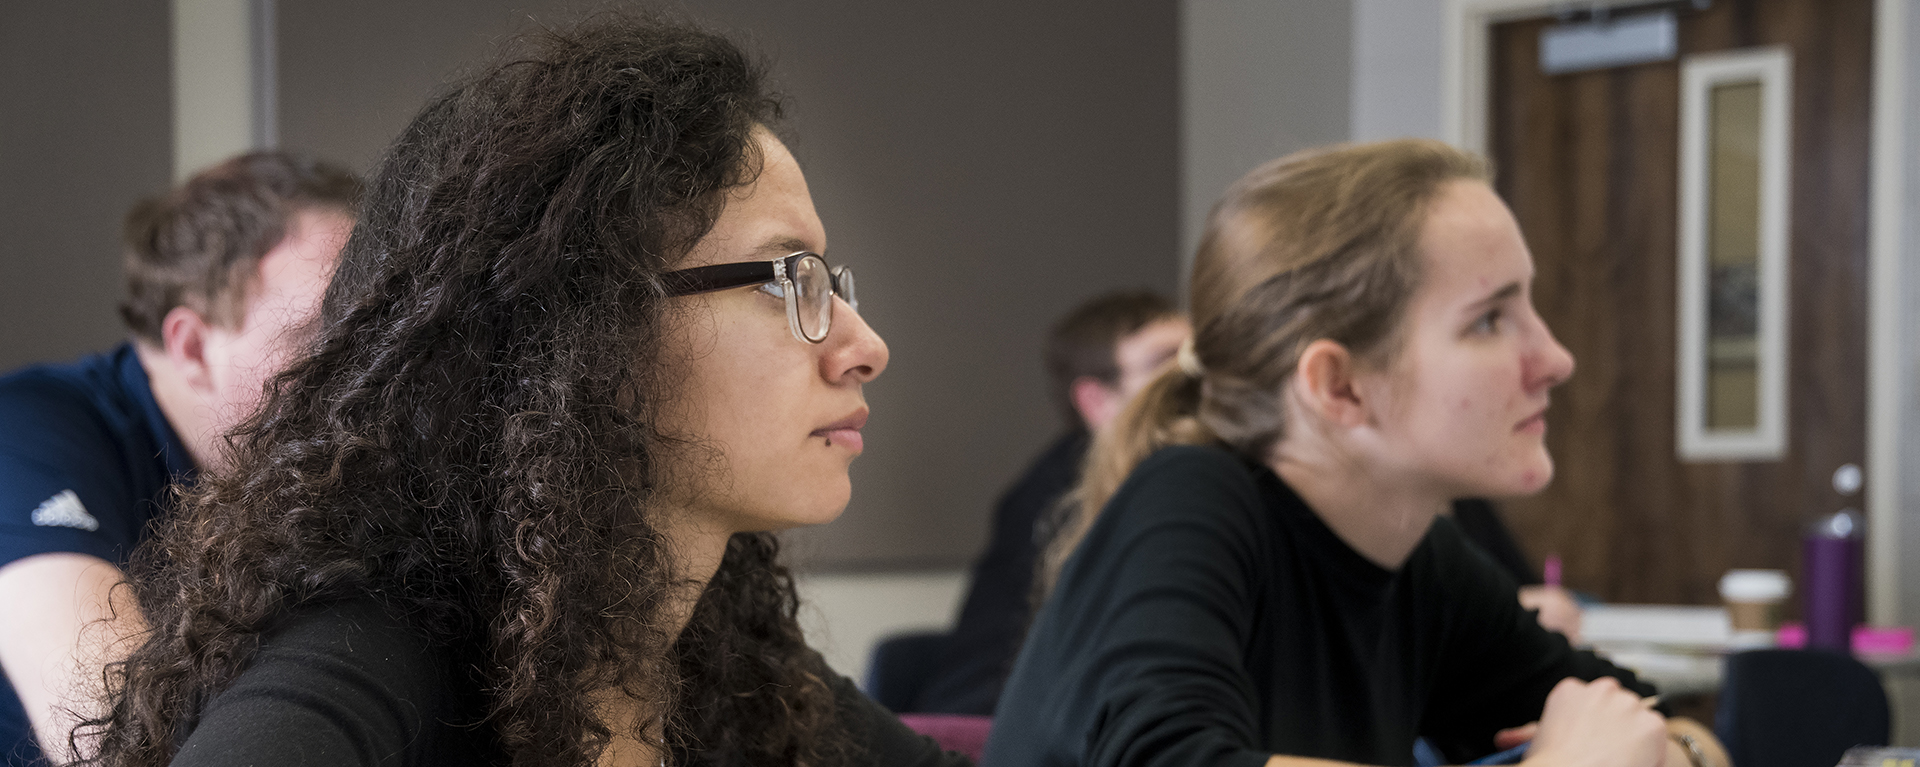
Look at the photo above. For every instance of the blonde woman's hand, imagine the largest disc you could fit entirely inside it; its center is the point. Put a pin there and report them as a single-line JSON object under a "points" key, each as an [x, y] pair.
{"points": [[1597, 724], [1514, 736]]}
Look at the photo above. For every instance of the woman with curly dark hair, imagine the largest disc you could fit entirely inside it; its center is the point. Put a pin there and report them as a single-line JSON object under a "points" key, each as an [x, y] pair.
{"points": [[579, 360]]}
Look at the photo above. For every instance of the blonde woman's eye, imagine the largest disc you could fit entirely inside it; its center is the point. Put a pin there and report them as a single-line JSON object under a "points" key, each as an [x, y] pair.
{"points": [[1487, 324], [773, 289]]}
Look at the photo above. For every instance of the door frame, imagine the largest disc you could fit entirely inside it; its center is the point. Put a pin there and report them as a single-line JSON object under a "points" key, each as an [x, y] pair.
{"points": [[1465, 88]]}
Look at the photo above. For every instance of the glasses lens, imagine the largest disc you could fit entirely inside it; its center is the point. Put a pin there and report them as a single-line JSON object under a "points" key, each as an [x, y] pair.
{"points": [[843, 282], [814, 300]]}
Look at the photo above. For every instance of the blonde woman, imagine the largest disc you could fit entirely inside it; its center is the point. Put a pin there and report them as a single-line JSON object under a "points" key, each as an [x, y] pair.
{"points": [[1263, 573]]}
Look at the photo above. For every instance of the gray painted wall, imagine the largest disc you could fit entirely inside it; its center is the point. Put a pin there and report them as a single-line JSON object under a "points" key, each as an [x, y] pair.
{"points": [[985, 165], [353, 72], [1259, 79], [1397, 69], [86, 131]]}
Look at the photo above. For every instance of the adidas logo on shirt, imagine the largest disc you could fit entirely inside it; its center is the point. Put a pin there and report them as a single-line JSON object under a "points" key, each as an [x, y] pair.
{"points": [[64, 510]]}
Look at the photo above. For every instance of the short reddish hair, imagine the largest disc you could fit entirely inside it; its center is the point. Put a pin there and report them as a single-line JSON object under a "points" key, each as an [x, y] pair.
{"points": [[197, 245]]}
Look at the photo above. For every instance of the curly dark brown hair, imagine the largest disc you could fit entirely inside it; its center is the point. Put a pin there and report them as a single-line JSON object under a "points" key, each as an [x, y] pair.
{"points": [[471, 439]]}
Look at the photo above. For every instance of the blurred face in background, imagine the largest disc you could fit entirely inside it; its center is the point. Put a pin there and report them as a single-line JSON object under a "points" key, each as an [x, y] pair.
{"points": [[1141, 354], [1138, 356], [210, 375], [282, 300]]}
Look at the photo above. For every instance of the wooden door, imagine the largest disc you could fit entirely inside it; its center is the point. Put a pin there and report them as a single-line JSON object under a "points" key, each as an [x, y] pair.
{"points": [[1589, 163]]}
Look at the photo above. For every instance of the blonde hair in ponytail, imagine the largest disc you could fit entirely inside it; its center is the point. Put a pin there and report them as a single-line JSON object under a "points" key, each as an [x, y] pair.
{"points": [[1158, 416], [1318, 244]]}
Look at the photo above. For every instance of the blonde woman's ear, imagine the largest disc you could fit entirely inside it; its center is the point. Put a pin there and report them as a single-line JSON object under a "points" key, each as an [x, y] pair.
{"points": [[1324, 382]]}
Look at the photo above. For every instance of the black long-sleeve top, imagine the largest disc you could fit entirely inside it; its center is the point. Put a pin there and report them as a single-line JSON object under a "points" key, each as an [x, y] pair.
{"points": [[1480, 521], [347, 684], [1211, 618]]}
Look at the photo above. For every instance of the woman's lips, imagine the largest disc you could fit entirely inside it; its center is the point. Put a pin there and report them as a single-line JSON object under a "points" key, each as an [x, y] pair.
{"points": [[847, 438], [846, 431], [1533, 424]]}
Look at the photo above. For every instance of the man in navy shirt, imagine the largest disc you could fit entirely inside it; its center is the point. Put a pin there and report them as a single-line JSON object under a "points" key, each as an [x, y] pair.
{"points": [[223, 275]]}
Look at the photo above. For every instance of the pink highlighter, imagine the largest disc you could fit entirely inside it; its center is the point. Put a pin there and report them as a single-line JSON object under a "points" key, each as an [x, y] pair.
{"points": [[1550, 570]]}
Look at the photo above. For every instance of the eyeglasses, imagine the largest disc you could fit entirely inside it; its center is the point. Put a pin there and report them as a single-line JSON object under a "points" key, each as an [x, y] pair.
{"points": [[803, 279]]}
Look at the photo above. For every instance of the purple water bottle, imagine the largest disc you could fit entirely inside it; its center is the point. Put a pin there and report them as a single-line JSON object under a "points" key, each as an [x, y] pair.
{"points": [[1832, 577]]}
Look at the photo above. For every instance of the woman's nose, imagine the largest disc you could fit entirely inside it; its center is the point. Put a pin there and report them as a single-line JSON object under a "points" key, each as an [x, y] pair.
{"points": [[852, 352], [1552, 364]]}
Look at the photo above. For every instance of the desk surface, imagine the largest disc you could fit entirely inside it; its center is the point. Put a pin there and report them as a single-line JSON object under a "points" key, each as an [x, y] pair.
{"points": [[1680, 648]]}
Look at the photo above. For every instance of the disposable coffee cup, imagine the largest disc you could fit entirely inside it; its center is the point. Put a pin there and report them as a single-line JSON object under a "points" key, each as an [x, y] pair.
{"points": [[1754, 599]]}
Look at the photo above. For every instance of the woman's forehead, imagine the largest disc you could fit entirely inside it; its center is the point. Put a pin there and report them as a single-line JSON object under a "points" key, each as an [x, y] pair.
{"points": [[1470, 243], [768, 218]]}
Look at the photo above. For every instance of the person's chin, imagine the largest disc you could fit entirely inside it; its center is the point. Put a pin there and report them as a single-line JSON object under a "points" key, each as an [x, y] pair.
{"points": [[1535, 475], [1522, 476], [798, 518], [828, 508]]}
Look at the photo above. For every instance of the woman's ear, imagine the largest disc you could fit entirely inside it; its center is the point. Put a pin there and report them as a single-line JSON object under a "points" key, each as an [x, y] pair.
{"points": [[1324, 382]]}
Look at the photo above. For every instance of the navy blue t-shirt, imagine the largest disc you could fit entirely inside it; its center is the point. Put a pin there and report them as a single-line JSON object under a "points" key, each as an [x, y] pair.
{"points": [[86, 458]]}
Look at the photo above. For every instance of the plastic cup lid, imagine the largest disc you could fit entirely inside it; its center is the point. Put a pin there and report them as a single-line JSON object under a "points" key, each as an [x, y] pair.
{"points": [[1755, 586]]}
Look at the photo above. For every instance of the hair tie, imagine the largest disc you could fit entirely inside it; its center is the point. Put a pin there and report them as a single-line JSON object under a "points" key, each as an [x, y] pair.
{"points": [[1188, 361]]}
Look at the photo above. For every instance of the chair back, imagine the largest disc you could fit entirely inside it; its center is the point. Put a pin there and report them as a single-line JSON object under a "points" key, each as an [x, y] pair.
{"points": [[959, 733], [901, 665], [1799, 708]]}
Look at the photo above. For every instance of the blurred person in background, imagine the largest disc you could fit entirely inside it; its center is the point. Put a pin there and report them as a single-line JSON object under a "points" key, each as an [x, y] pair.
{"points": [[1098, 356], [223, 274]]}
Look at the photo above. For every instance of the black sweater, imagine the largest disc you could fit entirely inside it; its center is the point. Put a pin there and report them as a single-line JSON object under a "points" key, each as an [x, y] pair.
{"points": [[346, 684], [1210, 617]]}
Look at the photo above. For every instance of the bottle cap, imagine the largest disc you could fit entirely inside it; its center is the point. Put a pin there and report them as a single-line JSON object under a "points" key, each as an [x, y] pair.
{"points": [[1844, 523]]}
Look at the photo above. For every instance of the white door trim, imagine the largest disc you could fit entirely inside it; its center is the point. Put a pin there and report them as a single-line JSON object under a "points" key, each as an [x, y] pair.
{"points": [[1464, 101], [1889, 386]]}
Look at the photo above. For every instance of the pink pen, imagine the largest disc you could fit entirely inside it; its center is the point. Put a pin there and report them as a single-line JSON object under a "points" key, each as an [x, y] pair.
{"points": [[1550, 570]]}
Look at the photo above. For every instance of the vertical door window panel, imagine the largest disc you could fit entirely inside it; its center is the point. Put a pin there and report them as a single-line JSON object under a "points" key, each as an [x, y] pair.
{"points": [[1733, 257], [1733, 216]]}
